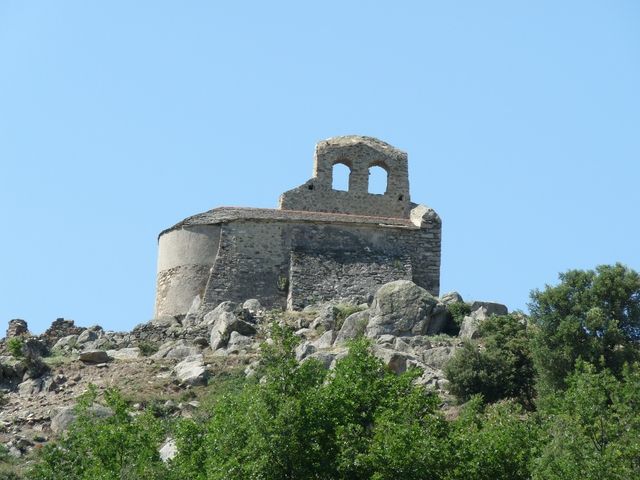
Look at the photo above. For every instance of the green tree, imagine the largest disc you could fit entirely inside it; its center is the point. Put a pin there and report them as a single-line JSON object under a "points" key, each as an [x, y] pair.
{"points": [[494, 442], [121, 447], [590, 315], [593, 429], [359, 421], [497, 366]]}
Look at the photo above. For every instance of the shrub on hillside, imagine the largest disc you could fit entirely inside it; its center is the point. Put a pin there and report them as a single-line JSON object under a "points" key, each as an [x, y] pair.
{"points": [[491, 442], [359, 421], [119, 447], [15, 346], [497, 366], [592, 430]]}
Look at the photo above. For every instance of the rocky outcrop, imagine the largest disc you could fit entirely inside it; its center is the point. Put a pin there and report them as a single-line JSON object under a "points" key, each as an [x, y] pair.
{"points": [[177, 350], [480, 311], [224, 320], [404, 324], [400, 308], [94, 356], [353, 327], [191, 370]]}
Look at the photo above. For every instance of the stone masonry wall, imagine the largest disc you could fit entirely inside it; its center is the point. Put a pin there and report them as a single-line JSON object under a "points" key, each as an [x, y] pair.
{"points": [[251, 260], [185, 257], [359, 154], [254, 261], [349, 276]]}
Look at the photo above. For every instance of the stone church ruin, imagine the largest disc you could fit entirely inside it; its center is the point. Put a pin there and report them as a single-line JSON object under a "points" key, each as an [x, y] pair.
{"points": [[320, 244]]}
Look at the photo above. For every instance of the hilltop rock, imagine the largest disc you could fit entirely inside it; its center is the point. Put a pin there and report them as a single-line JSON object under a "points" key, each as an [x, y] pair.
{"points": [[490, 308], [451, 297], [400, 308], [480, 311]]}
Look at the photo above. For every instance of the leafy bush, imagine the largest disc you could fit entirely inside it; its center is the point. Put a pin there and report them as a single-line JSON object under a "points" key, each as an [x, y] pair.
{"points": [[303, 422], [593, 316], [593, 430], [498, 366], [115, 448], [492, 442], [15, 347]]}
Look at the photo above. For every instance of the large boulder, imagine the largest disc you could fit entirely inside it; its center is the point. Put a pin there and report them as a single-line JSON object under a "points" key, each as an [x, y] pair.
{"points": [[224, 320], [394, 360], [33, 386], [191, 371], [252, 308], [480, 311], [66, 343], [326, 340], [437, 357], [34, 348], [176, 350], [451, 297], [238, 342], [94, 356], [353, 327], [400, 308], [325, 358], [191, 318], [304, 349], [90, 334], [490, 308], [11, 369], [440, 319]]}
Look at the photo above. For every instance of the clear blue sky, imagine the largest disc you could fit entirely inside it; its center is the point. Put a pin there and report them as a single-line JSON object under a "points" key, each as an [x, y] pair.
{"points": [[120, 118]]}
